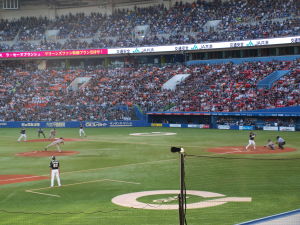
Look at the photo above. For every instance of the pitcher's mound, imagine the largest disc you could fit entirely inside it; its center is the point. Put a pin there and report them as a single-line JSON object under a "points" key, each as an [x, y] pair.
{"points": [[46, 153], [242, 150], [52, 139]]}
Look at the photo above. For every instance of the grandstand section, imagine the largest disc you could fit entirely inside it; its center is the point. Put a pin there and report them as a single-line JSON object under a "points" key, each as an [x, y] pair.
{"points": [[115, 62], [123, 82]]}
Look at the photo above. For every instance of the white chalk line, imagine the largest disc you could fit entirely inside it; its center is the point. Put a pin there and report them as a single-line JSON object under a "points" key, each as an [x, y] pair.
{"points": [[94, 169], [110, 167], [35, 191], [40, 193], [224, 153]]}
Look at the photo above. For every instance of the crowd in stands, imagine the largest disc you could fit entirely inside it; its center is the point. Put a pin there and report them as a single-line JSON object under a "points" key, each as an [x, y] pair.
{"points": [[28, 93], [181, 23]]}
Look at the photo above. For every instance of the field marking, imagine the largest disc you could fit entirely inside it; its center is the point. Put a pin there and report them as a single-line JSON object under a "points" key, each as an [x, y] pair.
{"points": [[40, 193], [94, 169], [86, 182], [35, 191], [110, 167], [224, 153], [132, 200], [121, 181], [19, 178], [229, 152]]}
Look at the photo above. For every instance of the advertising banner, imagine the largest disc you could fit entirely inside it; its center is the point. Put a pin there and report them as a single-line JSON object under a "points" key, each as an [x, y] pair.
{"points": [[287, 128], [200, 46], [73, 124], [154, 49], [223, 127], [60, 53], [270, 128], [156, 124], [174, 125], [198, 126], [246, 127]]}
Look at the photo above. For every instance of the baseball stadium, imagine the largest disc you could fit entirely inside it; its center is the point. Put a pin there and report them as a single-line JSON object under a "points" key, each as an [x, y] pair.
{"points": [[150, 112]]}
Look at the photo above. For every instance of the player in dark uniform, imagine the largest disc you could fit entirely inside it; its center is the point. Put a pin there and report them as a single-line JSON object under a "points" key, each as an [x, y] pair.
{"points": [[41, 131], [54, 165], [22, 135], [251, 141], [281, 142]]}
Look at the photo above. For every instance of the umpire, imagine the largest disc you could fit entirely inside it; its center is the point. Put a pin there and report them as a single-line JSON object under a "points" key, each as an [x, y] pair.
{"points": [[41, 131]]}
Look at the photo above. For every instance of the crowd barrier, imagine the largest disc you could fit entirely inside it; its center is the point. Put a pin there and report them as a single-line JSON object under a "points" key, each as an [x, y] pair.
{"points": [[72, 124], [222, 127], [137, 123]]}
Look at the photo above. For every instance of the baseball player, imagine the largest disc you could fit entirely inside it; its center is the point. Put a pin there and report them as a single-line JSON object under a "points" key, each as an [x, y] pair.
{"points": [[41, 131], [22, 135], [270, 145], [281, 142], [251, 141], [57, 142], [81, 131], [52, 133], [54, 165]]}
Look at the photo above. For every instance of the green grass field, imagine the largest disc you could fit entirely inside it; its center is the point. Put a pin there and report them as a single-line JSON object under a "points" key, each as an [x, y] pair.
{"points": [[112, 163]]}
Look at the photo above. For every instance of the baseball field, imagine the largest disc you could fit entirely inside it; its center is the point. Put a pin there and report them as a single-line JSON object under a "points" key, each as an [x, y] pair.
{"points": [[128, 176]]}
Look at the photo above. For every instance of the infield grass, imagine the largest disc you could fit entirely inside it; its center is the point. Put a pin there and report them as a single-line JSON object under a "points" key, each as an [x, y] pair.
{"points": [[112, 162]]}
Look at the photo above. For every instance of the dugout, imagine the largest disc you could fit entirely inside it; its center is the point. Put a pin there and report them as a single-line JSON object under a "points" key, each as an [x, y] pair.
{"points": [[280, 119]]}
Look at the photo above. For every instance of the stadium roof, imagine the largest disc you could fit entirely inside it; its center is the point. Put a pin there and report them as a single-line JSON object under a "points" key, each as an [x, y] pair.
{"points": [[79, 3]]}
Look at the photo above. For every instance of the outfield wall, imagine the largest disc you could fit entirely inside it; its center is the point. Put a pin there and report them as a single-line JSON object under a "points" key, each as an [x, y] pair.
{"points": [[287, 119], [72, 124], [109, 124]]}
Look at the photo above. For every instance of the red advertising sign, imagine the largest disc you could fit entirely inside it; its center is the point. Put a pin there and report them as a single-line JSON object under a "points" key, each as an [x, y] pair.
{"points": [[85, 52]]}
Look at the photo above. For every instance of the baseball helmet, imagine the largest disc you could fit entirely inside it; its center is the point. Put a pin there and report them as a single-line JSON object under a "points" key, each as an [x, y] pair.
{"points": [[53, 157]]}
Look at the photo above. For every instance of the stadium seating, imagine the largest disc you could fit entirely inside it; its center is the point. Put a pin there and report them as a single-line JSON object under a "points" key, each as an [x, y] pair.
{"points": [[181, 23], [28, 93]]}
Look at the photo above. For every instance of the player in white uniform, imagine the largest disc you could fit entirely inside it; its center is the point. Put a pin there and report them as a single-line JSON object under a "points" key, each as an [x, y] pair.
{"points": [[81, 131], [54, 165], [251, 141], [23, 135], [270, 145], [57, 143], [52, 133]]}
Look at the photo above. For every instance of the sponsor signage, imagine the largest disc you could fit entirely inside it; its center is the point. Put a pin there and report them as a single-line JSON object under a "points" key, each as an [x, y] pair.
{"points": [[74, 124], [198, 126], [246, 128], [2, 124], [96, 124], [30, 124], [120, 124], [55, 124], [200, 46], [174, 125], [223, 127], [154, 49], [287, 128], [156, 124], [61, 53], [270, 128]]}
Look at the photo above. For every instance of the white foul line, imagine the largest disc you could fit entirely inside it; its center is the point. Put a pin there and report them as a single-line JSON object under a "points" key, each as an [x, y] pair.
{"points": [[121, 181], [40, 193], [110, 167], [66, 185]]}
